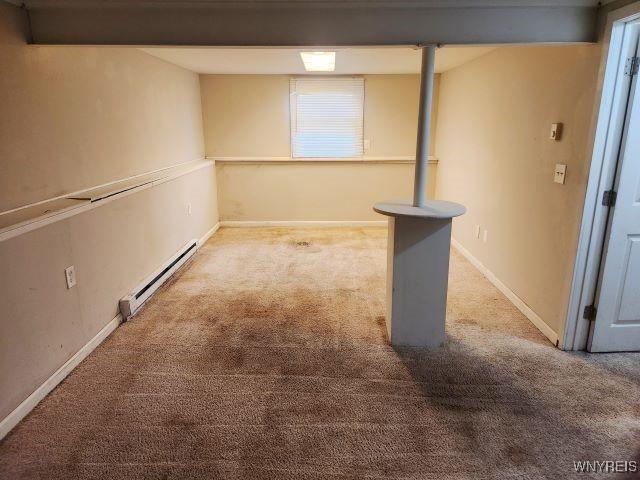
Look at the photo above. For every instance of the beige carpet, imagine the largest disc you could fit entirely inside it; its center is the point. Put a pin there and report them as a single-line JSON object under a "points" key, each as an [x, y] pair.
{"points": [[267, 358]]}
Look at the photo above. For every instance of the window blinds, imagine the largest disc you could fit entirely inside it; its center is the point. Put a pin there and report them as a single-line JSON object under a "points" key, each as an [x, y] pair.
{"points": [[326, 117]]}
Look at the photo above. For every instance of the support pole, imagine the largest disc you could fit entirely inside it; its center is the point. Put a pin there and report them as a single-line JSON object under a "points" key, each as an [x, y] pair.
{"points": [[418, 244], [424, 126]]}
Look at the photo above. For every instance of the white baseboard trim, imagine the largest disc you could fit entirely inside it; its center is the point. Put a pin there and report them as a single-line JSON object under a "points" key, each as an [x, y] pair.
{"points": [[22, 410], [32, 400], [540, 324], [208, 235], [304, 223]]}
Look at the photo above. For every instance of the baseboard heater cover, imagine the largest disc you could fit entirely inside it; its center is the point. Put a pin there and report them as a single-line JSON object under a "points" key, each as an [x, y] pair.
{"points": [[130, 304]]}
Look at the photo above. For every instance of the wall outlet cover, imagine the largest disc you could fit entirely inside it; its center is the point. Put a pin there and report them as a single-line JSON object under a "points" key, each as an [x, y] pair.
{"points": [[70, 275], [559, 173]]}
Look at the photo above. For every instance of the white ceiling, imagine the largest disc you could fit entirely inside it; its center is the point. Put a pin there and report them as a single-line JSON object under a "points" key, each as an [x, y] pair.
{"points": [[369, 60]]}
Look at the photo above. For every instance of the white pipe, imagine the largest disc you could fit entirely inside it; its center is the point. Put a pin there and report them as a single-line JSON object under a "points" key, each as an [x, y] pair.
{"points": [[424, 126]]}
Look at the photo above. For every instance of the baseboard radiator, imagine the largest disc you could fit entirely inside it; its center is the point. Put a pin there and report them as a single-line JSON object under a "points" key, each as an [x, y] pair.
{"points": [[130, 304]]}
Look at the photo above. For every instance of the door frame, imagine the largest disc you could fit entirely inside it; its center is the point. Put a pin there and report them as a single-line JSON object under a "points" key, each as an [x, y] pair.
{"points": [[606, 134]]}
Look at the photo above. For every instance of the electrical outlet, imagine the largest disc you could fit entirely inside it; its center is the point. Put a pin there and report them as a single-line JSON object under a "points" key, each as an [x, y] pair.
{"points": [[70, 275], [484, 236], [477, 231], [188, 209], [559, 173]]}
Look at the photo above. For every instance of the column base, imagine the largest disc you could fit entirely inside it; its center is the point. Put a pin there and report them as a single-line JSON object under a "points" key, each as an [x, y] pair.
{"points": [[418, 249]]}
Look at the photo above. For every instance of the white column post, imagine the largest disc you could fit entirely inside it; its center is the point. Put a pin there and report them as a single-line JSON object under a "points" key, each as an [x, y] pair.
{"points": [[424, 126], [418, 244]]}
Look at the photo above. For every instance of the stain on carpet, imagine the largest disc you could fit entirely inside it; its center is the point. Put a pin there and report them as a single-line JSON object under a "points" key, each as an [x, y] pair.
{"points": [[261, 361]]}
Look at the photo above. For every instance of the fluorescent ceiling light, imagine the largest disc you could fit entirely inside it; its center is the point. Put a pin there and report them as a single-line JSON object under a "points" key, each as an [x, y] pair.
{"points": [[319, 61]]}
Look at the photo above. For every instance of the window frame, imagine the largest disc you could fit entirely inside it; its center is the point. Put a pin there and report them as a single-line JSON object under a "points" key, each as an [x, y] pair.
{"points": [[293, 111]]}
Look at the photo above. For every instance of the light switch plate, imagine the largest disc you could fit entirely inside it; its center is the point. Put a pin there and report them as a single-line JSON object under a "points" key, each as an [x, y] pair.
{"points": [[70, 275], [559, 173], [366, 144], [556, 131]]}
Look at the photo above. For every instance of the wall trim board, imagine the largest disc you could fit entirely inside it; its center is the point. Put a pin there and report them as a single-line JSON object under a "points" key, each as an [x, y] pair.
{"points": [[533, 317], [209, 234], [83, 205], [303, 223], [277, 160], [22, 410], [102, 185]]}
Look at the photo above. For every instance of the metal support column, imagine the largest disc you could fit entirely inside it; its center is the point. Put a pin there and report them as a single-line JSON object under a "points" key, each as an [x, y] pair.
{"points": [[424, 126], [419, 243]]}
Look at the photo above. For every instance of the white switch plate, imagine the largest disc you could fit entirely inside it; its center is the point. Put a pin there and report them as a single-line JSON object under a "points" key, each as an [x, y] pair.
{"points": [[366, 144], [477, 231], [559, 173], [556, 131], [188, 209], [70, 275]]}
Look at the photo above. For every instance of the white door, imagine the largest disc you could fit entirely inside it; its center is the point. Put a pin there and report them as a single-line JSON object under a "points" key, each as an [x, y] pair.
{"points": [[617, 321]]}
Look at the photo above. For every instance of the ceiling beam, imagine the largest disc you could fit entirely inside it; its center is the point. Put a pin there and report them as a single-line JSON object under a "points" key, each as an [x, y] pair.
{"points": [[305, 24]]}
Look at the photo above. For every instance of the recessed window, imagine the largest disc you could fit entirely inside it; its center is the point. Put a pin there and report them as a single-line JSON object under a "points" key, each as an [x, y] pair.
{"points": [[326, 117]]}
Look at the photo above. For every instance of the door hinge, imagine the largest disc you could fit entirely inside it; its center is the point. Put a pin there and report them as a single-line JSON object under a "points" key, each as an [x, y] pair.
{"points": [[589, 313], [632, 66], [609, 198]]}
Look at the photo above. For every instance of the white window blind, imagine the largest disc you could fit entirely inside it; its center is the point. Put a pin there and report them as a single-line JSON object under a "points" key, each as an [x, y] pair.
{"points": [[326, 117]]}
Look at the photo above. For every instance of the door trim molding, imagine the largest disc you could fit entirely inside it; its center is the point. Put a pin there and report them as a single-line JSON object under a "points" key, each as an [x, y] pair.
{"points": [[576, 329]]}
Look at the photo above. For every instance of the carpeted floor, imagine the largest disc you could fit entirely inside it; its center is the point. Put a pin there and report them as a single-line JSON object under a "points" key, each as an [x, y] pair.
{"points": [[266, 358]]}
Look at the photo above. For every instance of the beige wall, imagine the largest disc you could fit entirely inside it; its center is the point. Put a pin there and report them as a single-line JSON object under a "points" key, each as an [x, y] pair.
{"points": [[497, 159], [72, 118], [87, 116], [113, 248], [312, 191], [248, 116], [245, 115], [391, 114]]}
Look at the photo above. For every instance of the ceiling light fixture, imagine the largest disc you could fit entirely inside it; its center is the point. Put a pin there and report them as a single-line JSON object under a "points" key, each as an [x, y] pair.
{"points": [[319, 61]]}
